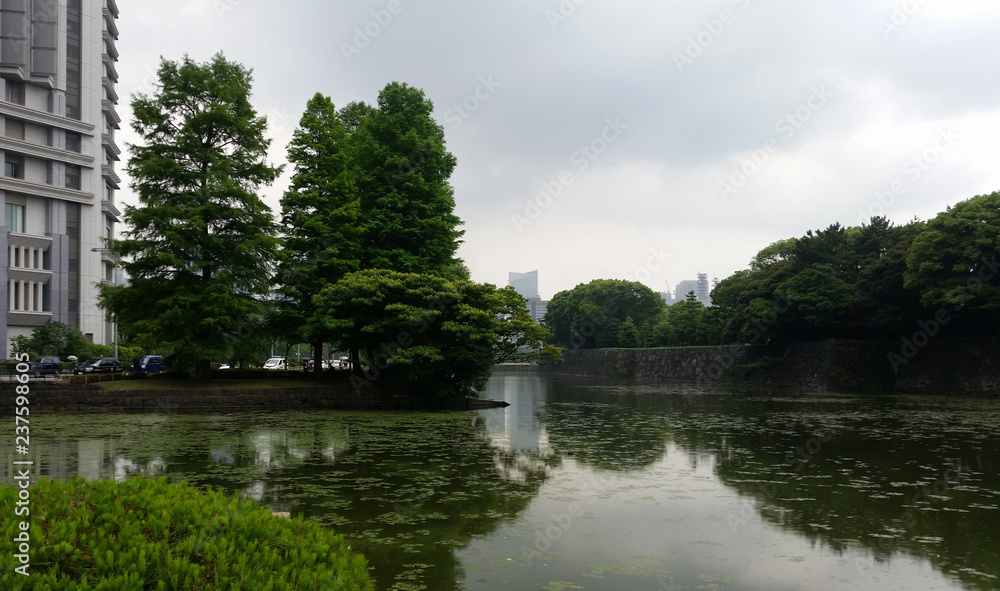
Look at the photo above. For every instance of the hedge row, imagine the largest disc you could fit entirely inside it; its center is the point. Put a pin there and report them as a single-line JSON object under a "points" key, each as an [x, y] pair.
{"points": [[147, 534]]}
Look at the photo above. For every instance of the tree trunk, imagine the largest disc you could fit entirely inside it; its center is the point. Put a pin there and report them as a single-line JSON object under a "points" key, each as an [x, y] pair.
{"points": [[317, 360], [203, 370]]}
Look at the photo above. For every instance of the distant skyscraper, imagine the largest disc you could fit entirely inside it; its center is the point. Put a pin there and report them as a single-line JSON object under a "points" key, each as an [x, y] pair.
{"points": [[685, 287], [698, 286], [702, 291], [526, 284]]}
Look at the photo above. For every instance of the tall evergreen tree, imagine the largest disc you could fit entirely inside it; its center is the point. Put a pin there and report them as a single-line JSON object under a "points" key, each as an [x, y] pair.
{"points": [[402, 169], [201, 244], [320, 213]]}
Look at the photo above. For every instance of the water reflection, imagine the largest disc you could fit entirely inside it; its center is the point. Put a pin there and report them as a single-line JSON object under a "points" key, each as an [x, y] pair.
{"points": [[601, 485]]}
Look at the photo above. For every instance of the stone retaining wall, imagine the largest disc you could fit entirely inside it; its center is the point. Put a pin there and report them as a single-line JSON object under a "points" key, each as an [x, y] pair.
{"points": [[943, 366]]}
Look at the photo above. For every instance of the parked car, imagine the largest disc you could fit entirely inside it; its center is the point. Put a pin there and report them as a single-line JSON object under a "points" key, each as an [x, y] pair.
{"points": [[98, 365], [276, 363], [49, 365], [308, 364], [148, 364]]}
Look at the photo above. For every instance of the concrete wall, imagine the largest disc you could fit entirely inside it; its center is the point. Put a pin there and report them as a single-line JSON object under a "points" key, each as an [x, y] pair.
{"points": [[943, 366]]}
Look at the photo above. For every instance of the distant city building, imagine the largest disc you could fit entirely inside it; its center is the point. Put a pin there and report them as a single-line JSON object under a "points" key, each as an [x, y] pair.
{"points": [[699, 286], [668, 298], [702, 291], [526, 284], [684, 288]]}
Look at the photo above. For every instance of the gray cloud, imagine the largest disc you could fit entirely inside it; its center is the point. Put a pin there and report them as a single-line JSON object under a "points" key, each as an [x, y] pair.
{"points": [[688, 128]]}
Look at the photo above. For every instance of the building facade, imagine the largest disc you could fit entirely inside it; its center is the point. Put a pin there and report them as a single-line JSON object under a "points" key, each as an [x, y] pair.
{"points": [[57, 140], [526, 284]]}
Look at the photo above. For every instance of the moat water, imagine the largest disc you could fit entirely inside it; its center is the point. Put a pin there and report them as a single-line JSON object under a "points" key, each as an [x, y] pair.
{"points": [[598, 485]]}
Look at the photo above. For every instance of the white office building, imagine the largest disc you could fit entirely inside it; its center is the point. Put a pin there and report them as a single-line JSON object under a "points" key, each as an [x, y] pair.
{"points": [[57, 143]]}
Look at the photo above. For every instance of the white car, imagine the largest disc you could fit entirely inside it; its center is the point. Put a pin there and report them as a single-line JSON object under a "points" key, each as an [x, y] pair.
{"points": [[276, 363]]}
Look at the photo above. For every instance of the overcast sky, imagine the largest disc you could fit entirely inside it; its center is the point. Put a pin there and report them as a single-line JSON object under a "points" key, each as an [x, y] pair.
{"points": [[632, 139]]}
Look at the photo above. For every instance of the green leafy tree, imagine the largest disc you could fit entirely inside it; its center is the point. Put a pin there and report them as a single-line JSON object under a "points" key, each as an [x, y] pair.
{"points": [[685, 321], [607, 335], [628, 334], [201, 243], [56, 338], [953, 263], [579, 317], [403, 170], [426, 333], [320, 212], [520, 338]]}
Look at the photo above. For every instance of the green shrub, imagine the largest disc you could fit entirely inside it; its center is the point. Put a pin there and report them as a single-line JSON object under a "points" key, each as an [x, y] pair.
{"points": [[147, 534]]}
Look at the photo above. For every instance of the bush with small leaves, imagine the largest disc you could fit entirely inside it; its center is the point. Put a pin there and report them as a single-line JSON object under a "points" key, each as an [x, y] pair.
{"points": [[149, 534]]}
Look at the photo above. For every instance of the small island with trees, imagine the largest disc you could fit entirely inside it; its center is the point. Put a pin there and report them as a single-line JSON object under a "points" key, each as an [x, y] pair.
{"points": [[364, 255]]}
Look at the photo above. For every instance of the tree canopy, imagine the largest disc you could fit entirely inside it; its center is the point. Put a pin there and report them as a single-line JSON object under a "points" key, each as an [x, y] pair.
{"points": [[201, 244], [592, 314], [434, 335], [320, 213], [402, 173]]}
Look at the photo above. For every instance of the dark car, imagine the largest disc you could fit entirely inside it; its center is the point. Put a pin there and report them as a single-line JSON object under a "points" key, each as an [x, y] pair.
{"points": [[98, 365], [45, 366], [147, 364]]}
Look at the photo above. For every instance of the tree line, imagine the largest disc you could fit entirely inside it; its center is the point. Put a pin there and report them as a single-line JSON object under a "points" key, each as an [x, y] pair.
{"points": [[363, 255], [877, 281]]}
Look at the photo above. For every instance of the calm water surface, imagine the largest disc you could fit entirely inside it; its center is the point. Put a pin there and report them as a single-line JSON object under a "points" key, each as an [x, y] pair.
{"points": [[584, 484]]}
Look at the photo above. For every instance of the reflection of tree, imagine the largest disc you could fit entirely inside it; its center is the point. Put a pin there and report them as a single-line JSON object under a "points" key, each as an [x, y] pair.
{"points": [[407, 490], [620, 436], [855, 491]]}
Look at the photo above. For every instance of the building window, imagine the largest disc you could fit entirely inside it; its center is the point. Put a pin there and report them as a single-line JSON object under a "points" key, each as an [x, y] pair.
{"points": [[14, 92], [73, 141], [13, 167], [72, 177], [15, 218]]}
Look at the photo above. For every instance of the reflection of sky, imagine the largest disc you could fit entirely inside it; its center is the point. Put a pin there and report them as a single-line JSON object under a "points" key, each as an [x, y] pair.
{"points": [[671, 520]]}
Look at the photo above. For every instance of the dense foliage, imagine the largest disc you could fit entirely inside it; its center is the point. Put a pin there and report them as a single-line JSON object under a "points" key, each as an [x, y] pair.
{"points": [[369, 203], [320, 215], [63, 341], [595, 314], [437, 336], [201, 244], [145, 534], [878, 281]]}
